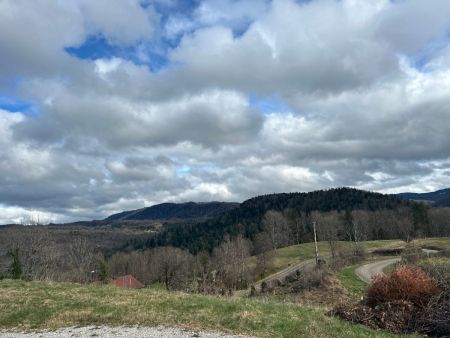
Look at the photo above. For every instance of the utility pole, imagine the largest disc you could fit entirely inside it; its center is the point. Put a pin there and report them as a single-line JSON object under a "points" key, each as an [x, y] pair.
{"points": [[315, 243]]}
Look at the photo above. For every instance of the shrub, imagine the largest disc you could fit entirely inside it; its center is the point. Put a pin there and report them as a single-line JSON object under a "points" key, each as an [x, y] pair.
{"points": [[348, 257], [311, 278], [412, 255], [404, 283]]}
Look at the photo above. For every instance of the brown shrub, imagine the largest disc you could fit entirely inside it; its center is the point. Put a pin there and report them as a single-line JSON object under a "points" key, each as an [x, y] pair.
{"points": [[404, 283]]}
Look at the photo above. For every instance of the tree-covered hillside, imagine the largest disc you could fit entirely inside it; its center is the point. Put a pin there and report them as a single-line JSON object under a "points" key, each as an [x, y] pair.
{"points": [[247, 218]]}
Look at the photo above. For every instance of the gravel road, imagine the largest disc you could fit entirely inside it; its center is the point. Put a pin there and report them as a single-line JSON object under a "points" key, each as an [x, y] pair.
{"points": [[365, 272], [116, 332], [285, 272]]}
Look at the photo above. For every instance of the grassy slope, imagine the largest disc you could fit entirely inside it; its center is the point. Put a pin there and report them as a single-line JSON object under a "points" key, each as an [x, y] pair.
{"points": [[40, 305], [356, 287]]}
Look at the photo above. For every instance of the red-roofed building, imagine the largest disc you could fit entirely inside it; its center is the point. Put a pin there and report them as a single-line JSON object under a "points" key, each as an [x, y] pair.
{"points": [[127, 282]]}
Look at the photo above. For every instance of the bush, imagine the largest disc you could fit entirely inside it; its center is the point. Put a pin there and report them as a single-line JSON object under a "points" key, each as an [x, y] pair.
{"points": [[404, 283], [348, 257], [412, 255], [311, 278]]}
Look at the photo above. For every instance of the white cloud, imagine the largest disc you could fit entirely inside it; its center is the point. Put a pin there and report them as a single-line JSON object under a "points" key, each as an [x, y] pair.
{"points": [[112, 135]]}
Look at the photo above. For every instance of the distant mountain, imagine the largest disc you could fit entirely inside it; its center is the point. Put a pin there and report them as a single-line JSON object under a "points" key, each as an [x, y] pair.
{"points": [[170, 211], [436, 198]]}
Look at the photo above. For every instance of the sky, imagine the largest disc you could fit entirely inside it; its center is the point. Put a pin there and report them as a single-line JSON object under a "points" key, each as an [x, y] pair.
{"points": [[113, 105]]}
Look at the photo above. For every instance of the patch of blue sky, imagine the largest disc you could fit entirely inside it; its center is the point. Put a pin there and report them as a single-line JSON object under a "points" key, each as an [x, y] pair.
{"points": [[97, 47], [183, 170], [422, 60], [269, 104], [15, 105], [168, 7], [239, 30]]}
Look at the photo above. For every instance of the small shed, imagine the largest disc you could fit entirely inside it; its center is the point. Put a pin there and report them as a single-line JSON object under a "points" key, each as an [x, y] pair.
{"points": [[127, 282]]}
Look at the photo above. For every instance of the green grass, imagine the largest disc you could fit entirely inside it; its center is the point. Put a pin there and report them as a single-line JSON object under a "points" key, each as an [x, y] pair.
{"points": [[37, 305], [287, 256], [356, 287]]}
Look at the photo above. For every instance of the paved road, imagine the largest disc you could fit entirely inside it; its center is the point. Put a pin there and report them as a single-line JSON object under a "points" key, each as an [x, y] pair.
{"points": [[365, 272]]}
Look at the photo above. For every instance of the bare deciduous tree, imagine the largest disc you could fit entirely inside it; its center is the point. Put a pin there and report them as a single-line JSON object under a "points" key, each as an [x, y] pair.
{"points": [[174, 267], [277, 228], [264, 251], [328, 226], [231, 260]]}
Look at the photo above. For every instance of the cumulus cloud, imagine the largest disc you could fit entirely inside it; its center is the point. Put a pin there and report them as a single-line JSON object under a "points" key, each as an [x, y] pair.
{"points": [[363, 92]]}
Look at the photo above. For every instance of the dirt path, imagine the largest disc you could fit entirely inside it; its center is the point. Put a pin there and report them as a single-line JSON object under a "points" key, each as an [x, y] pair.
{"points": [[365, 272]]}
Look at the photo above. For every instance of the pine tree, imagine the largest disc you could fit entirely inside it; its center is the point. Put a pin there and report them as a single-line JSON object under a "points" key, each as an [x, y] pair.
{"points": [[16, 264]]}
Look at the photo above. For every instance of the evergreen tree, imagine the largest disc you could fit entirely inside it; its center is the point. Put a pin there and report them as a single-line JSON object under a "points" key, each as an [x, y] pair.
{"points": [[16, 264], [103, 272]]}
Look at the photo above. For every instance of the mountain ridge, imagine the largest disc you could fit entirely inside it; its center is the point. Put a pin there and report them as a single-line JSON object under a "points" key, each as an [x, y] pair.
{"points": [[436, 198], [166, 211]]}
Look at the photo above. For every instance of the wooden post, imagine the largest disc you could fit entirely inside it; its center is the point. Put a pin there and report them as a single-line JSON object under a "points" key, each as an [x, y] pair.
{"points": [[315, 244]]}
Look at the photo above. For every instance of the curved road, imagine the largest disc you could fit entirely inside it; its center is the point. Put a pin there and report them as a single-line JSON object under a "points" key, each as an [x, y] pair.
{"points": [[365, 272]]}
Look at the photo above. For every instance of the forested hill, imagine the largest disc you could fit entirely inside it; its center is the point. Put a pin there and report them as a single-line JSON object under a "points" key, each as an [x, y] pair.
{"points": [[435, 198], [166, 211], [323, 200], [246, 219]]}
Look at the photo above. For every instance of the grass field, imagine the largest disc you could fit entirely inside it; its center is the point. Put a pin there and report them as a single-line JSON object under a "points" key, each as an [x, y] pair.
{"points": [[38, 305]]}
